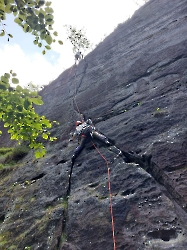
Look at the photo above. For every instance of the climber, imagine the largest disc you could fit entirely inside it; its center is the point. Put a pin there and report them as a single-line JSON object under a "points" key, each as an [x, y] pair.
{"points": [[87, 131], [78, 56]]}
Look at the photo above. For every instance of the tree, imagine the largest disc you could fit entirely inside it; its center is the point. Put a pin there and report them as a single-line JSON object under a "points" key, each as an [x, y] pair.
{"points": [[77, 38], [18, 114], [34, 16], [16, 103]]}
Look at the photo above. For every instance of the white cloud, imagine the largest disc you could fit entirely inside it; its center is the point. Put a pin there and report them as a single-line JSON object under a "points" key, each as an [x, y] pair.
{"points": [[33, 68]]}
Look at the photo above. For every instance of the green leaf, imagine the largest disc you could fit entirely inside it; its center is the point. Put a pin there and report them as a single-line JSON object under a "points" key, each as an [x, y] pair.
{"points": [[4, 79], [40, 3], [41, 153], [19, 108], [47, 3], [39, 45], [26, 27], [47, 47], [38, 27], [49, 10], [3, 86], [42, 36], [26, 103], [17, 20], [7, 75], [49, 20], [37, 101], [19, 88], [2, 33], [15, 13], [35, 42], [0, 132], [10, 1], [47, 124], [6, 125], [2, 6], [8, 8], [31, 3], [14, 74], [45, 136], [10, 131], [49, 39], [55, 33], [29, 29], [14, 137], [60, 42], [15, 9], [43, 52], [10, 35], [41, 15], [15, 80]]}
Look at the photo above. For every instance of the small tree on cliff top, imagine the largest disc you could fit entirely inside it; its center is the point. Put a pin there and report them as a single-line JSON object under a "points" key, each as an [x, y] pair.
{"points": [[16, 103]]}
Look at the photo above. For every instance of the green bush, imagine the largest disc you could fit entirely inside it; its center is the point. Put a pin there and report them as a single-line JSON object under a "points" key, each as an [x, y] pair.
{"points": [[4, 150], [12, 155], [19, 152]]}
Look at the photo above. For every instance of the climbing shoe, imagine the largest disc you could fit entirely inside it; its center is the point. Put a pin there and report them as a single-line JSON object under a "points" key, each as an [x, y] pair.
{"points": [[73, 159]]}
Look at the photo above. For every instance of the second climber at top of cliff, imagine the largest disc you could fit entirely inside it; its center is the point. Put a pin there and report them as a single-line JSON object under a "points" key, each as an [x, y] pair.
{"points": [[86, 131], [78, 56]]}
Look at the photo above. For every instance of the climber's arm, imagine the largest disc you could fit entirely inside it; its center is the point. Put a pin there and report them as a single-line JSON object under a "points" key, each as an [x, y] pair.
{"points": [[74, 135]]}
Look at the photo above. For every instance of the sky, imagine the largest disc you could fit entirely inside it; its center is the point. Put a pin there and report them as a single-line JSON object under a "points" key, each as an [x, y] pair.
{"points": [[98, 18]]}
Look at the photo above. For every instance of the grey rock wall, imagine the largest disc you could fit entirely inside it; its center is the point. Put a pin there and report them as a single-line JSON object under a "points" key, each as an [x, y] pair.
{"points": [[133, 86]]}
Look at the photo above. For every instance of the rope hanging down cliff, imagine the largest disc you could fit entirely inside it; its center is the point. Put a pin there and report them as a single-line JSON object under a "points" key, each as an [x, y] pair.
{"points": [[87, 131], [85, 128]]}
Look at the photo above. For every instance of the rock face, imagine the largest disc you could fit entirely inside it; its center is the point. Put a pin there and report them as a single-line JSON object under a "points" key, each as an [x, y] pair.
{"points": [[133, 86]]}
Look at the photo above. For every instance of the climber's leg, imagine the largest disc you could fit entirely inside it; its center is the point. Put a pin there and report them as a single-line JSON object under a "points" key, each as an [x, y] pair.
{"points": [[101, 138], [79, 149]]}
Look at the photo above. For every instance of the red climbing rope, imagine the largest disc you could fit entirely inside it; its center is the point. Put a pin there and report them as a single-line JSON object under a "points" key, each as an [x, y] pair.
{"points": [[110, 194], [109, 186]]}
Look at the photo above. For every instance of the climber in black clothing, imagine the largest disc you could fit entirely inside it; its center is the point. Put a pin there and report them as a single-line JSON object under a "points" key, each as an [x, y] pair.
{"points": [[86, 131]]}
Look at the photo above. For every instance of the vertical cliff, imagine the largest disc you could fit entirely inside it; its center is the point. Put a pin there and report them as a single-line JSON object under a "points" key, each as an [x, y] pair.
{"points": [[133, 86]]}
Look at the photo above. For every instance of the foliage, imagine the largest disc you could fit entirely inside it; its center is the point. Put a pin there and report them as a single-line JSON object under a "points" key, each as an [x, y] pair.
{"points": [[77, 38], [18, 152], [18, 114], [34, 16], [16, 109], [4, 150], [12, 155]]}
